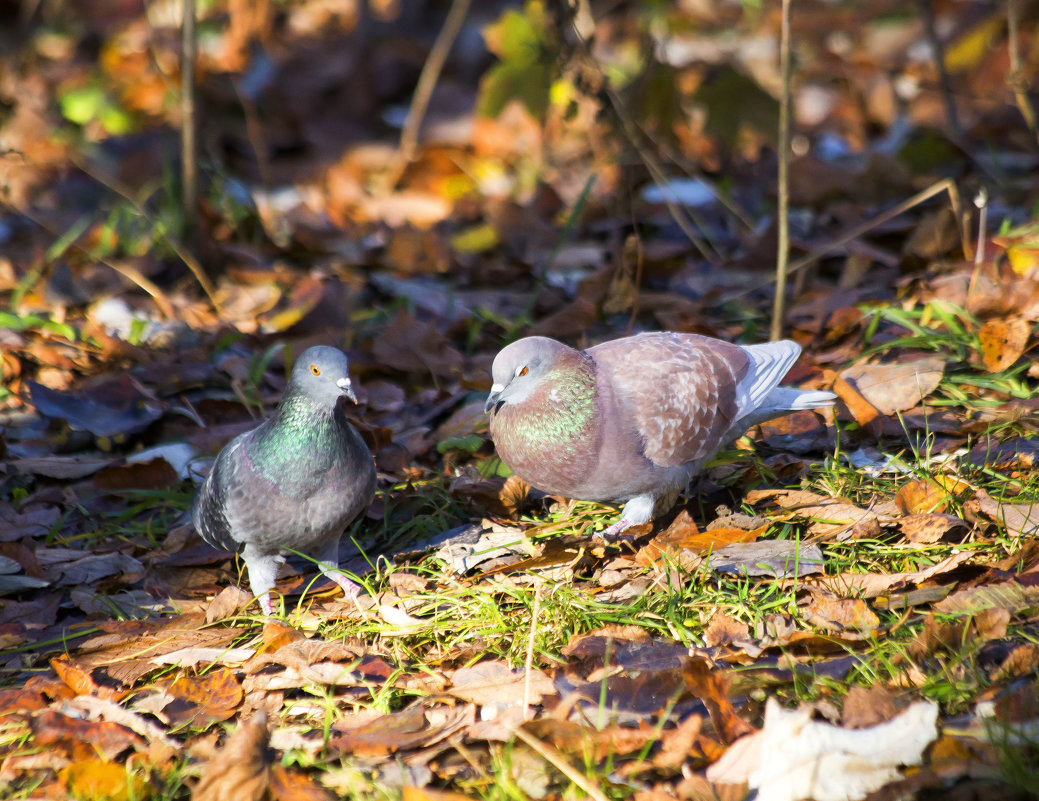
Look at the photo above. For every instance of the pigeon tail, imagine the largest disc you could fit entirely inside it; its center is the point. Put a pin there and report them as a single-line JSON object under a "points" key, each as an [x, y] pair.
{"points": [[781, 401], [769, 363]]}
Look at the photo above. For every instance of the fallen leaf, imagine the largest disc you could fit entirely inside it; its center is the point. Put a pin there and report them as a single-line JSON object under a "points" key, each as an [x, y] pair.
{"points": [[202, 700], [411, 793], [82, 738], [794, 757], [494, 682], [723, 630], [777, 558], [711, 687], [291, 785], [871, 585], [924, 529], [891, 388], [840, 615], [227, 603], [1002, 342], [868, 706], [1019, 519], [398, 731], [238, 771], [94, 780]]}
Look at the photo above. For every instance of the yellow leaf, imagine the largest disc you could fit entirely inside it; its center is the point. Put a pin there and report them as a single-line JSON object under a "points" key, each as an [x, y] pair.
{"points": [[94, 780], [969, 50], [476, 239]]}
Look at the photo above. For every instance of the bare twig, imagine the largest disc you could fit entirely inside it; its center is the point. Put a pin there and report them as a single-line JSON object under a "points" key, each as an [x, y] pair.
{"points": [[427, 80], [190, 261], [783, 180], [938, 51], [658, 176], [981, 202], [560, 763], [1016, 77], [944, 185], [188, 150], [529, 667], [161, 300]]}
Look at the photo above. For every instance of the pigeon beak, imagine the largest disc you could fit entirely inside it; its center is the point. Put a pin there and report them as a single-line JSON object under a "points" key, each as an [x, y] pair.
{"points": [[344, 385], [492, 399]]}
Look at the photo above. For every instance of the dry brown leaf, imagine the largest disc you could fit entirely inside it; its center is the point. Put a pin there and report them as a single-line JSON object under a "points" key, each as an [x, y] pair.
{"points": [[1022, 661], [870, 585], [204, 699], [723, 630], [83, 739], [924, 529], [1002, 342], [937, 636], [891, 388], [921, 497], [711, 687], [1019, 519], [842, 615], [238, 771], [991, 623], [865, 707], [227, 603], [277, 635]]}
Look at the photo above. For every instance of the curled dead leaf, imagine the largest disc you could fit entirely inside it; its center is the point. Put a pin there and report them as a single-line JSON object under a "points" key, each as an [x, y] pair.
{"points": [[238, 771]]}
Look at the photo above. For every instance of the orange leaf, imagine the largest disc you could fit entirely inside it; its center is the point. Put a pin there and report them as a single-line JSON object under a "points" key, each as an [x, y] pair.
{"points": [[712, 687], [861, 409], [94, 780], [209, 698], [286, 785], [715, 538], [1003, 342], [276, 635], [81, 681]]}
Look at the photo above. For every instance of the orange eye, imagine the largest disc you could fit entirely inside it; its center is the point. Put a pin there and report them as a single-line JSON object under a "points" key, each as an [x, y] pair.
{"points": [[315, 369], [524, 371]]}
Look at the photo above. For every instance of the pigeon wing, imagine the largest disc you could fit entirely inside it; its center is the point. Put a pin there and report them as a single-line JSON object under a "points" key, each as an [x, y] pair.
{"points": [[209, 513], [680, 391]]}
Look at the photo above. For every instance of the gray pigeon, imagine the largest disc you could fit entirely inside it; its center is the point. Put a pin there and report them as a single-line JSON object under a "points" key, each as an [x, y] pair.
{"points": [[634, 419], [294, 482]]}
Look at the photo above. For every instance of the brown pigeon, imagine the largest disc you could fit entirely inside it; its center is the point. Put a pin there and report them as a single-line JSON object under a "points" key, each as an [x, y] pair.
{"points": [[633, 420], [294, 482]]}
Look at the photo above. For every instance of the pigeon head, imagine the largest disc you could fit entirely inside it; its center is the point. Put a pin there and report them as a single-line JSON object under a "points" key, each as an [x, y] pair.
{"points": [[322, 374], [519, 368]]}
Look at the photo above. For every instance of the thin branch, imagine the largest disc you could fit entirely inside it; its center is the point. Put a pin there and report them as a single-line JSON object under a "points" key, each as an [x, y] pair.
{"points": [[938, 50], [560, 763], [529, 667], [1016, 77], [188, 147], [190, 261], [944, 185], [783, 180], [428, 78], [161, 300]]}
